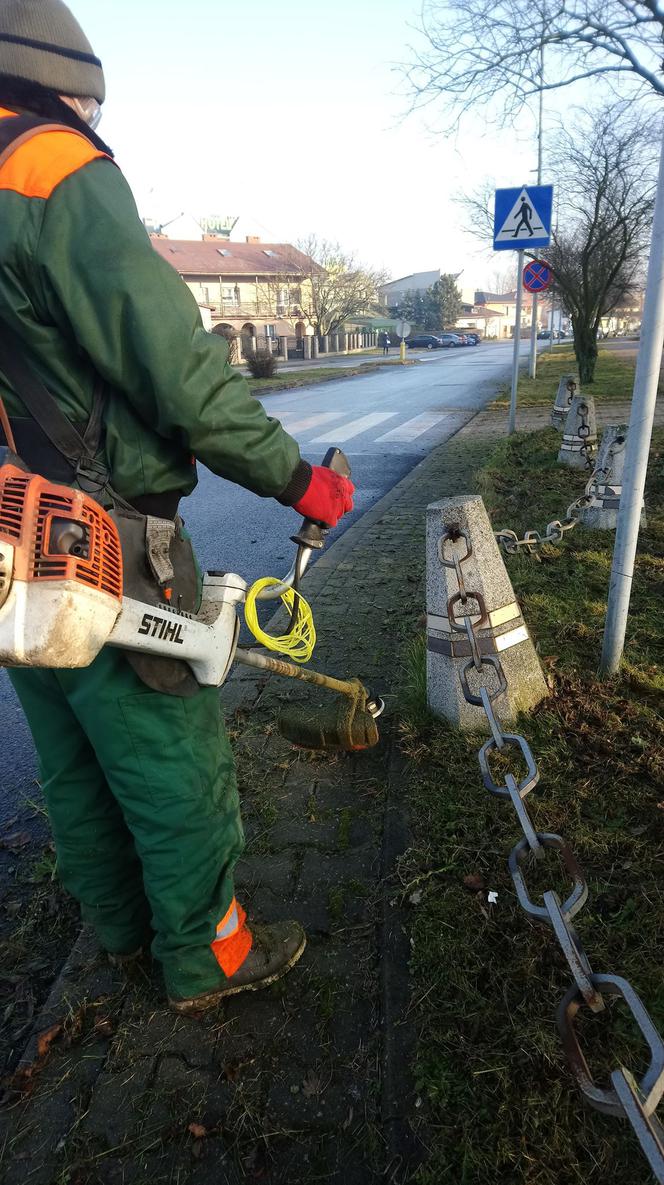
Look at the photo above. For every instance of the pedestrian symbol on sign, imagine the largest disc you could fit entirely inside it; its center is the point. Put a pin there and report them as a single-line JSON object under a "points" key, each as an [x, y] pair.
{"points": [[523, 221], [525, 214], [522, 217]]}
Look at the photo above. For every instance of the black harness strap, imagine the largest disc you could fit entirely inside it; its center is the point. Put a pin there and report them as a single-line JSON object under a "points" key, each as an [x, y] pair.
{"points": [[78, 451]]}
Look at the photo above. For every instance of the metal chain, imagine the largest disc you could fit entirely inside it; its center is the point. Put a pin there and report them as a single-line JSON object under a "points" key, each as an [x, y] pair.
{"points": [[556, 530], [629, 1098], [583, 431]]}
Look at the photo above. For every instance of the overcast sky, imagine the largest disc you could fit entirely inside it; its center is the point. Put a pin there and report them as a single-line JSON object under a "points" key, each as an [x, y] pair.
{"points": [[292, 117]]}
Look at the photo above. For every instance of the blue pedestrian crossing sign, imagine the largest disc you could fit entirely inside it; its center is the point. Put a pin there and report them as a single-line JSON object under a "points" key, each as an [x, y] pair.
{"points": [[522, 217]]}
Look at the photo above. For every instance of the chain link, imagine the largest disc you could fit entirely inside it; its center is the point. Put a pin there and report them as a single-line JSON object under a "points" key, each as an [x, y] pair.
{"points": [[555, 531], [583, 431], [628, 1098]]}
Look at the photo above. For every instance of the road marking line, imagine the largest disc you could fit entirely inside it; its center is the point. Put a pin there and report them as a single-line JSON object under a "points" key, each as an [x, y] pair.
{"points": [[413, 428], [354, 428], [310, 421]]}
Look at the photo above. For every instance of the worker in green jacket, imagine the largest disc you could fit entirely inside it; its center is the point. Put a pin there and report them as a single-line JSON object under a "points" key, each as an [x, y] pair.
{"points": [[139, 783]]}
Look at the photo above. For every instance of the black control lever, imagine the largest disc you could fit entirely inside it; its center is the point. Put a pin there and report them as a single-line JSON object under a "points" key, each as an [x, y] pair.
{"points": [[312, 534]]}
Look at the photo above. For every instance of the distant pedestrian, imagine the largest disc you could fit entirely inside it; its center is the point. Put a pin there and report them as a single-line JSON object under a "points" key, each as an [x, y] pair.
{"points": [[386, 344]]}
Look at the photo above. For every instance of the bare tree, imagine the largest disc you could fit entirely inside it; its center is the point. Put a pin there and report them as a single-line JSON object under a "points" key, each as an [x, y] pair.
{"points": [[335, 288], [478, 50], [606, 170]]}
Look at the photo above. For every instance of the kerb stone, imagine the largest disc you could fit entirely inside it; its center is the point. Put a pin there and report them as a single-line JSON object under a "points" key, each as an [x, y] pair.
{"points": [[568, 387], [504, 635], [579, 434], [601, 512]]}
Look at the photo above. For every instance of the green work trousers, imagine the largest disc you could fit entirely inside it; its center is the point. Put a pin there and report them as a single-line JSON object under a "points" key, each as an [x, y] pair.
{"points": [[142, 797]]}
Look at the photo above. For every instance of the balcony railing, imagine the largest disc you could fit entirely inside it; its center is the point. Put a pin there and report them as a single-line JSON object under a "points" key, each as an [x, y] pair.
{"points": [[250, 309]]}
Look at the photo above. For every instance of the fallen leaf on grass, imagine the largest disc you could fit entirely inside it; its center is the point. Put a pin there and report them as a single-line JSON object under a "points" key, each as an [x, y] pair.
{"points": [[197, 1149], [474, 883], [46, 1039], [197, 1130]]}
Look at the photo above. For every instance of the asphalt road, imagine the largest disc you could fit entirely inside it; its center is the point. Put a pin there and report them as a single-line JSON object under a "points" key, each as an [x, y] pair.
{"points": [[385, 421]]}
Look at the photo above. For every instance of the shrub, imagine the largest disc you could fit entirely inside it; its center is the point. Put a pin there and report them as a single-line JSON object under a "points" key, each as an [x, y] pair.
{"points": [[263, 365]]}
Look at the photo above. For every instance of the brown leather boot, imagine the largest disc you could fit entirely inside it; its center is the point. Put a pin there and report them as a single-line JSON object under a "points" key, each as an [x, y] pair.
{"points": [[274, 950]]}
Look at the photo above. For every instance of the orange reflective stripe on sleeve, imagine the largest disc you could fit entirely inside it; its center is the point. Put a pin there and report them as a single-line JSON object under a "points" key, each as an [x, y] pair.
{"points": [[36, 167], [233, 941]]}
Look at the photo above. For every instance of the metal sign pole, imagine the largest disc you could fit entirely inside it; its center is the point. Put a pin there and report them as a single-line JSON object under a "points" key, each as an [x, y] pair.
{"points": [[517, 343], [533, 328], [638, 442]]}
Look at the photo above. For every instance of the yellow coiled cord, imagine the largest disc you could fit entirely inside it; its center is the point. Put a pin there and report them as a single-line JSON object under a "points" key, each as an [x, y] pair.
{"points": [[299, 643]]}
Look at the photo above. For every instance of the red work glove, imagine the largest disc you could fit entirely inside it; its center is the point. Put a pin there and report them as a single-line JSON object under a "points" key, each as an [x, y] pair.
{"points": [[329, 496]]}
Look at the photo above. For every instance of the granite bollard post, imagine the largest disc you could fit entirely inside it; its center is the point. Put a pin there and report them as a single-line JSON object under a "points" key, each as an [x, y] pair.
{"points": [[503, 635], [568, 387], [579, 434], [602, 512], [306, 341]]}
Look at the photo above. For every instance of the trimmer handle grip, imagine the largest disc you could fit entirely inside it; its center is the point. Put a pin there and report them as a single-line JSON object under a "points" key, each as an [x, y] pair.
{"points": [[312, 534]]}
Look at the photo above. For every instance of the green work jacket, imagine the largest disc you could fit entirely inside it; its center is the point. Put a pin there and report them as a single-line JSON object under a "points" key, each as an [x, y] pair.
{"points": [[82, 286]]}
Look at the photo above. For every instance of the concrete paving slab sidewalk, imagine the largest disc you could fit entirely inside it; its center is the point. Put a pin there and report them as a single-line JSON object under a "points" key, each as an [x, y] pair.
{"points": [[307, 1081]]}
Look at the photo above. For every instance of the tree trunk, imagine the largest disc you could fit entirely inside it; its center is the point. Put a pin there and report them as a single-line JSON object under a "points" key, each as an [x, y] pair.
{"points": [[585, 348]]}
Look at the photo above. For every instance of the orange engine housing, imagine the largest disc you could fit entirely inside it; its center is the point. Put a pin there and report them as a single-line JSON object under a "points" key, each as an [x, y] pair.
{"points": [[60, 573], [29, 504]]}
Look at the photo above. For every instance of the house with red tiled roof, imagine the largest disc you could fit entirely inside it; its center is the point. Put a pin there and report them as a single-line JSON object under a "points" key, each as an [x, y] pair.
{"points": [[251, 287]]}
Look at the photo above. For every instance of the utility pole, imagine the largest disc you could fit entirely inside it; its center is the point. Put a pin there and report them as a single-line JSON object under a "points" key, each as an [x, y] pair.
{"points": [[511, 426], [641, 419], [532, 370]]}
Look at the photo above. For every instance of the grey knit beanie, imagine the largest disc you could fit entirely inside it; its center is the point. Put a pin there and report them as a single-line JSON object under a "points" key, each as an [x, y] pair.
{"points": [[41, 41]]}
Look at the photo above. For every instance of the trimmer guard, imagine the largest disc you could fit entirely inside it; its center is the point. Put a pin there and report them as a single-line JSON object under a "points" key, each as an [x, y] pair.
{"points": [[343, 724]]}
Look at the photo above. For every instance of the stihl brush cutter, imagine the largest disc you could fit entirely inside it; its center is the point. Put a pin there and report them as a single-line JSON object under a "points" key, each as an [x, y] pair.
{"points": [[61, 601]]}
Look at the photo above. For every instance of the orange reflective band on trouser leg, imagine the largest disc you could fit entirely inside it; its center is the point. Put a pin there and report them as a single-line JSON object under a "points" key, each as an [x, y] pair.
{"points": [[233, 941]]}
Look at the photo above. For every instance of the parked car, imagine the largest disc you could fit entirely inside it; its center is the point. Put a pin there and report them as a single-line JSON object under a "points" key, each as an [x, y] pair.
{"points": [[450, 339], [425, 341], [474, 339], [463, 340]]}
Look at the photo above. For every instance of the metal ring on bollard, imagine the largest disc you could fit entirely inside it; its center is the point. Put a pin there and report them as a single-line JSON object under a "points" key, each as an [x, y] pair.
{"points": [[486, 660], [577, 897], [463, 598]]}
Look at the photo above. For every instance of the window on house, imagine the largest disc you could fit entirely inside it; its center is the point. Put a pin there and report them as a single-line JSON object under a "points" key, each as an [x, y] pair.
{"points": [[270, 254], [296, 296], [223, 251], [229, 294], [270, 331]]}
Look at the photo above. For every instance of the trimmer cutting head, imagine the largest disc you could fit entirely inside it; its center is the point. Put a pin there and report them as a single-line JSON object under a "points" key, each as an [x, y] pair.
{"points": [[346, 723]]}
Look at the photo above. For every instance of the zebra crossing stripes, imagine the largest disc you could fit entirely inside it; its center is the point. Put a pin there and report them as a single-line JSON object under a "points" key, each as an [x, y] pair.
{"points": [[309, 422], [334, 427], [413, 428], [355, 428]]}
